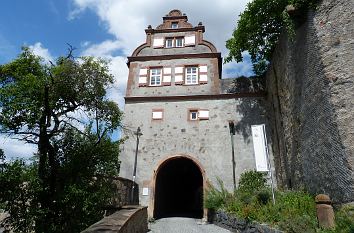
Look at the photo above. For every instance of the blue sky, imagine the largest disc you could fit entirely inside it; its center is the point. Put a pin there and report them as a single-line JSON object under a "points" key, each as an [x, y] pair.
{"points": [[46, 21], [111, 29]]}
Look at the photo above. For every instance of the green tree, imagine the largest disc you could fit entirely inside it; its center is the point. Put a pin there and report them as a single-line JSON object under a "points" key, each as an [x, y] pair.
{"points": [[259, 27], [19, 187], [84, 186], [40, 102]]}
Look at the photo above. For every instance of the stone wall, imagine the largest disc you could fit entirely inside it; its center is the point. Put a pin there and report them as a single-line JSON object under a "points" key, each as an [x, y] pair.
{"points": [[311, 103], [234, 224], [207, 141], [131, 219], [123, 189]]}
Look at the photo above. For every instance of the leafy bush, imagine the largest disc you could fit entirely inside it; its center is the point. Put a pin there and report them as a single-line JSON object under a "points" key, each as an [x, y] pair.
{"points": [[344, 220], [294, 211], [263, 196], [252, 185], [251, 182], [215, 199], [298, 224]]}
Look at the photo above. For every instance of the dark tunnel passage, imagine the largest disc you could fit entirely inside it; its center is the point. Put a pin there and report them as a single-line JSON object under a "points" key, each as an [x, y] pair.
{"points": [[179, 190]]}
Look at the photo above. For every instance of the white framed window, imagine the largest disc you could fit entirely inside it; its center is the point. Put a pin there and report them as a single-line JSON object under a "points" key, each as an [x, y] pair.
{"points": [[198, 114], [157, 114], [191, 75], [193, 115], [174, 25], [174, 42], [169, 42], [179, 42], [155, 77]]}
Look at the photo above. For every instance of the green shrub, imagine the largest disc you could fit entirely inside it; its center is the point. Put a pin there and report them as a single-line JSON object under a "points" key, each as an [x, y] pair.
{"points": [[215, 199], [263, 196], [293, 211], [344, 218], [298, 224], [251, 182]]}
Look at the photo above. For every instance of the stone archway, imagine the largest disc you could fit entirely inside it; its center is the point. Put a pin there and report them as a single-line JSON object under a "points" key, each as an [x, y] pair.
{"points": [[179, 184]]}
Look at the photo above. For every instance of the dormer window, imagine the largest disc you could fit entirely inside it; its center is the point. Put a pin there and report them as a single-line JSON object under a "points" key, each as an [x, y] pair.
{"points": [[174, 25], [179, 42], [174, 42], [169, 42]]}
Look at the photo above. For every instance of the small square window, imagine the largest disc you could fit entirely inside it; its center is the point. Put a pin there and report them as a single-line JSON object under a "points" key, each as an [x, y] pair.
{"points": [[157, 114], [179, 42], [169, 43], [174, 25], [193, 115]]}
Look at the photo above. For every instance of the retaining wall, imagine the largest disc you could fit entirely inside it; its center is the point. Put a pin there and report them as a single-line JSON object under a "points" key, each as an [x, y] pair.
{"points": [[310, 86], [130, 219]]}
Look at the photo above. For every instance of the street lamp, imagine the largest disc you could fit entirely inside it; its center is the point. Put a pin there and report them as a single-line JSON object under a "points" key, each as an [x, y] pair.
{"points": [[138, 134], [232, 133]]}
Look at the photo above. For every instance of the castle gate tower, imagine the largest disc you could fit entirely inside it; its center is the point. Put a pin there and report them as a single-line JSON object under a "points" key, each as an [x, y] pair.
{"points": [[174, 94]]}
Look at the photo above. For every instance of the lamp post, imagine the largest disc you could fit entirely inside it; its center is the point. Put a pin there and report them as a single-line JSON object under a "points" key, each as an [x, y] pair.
{"points": [[138, 134], [232, 133]]}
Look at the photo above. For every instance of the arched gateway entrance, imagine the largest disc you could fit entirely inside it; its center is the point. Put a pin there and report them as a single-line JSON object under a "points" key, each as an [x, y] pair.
{"points": [[178, 188]]}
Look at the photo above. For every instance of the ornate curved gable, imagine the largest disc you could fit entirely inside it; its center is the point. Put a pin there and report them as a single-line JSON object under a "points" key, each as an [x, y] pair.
{"points": [[175, 37], [175, 16]]}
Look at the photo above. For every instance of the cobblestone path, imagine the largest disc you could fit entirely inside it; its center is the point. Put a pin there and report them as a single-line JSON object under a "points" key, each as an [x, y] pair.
{"points": [[183, 225]]}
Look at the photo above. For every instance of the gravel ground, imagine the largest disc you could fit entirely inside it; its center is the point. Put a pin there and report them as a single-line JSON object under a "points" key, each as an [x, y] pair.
{"points": [[183, 225]]}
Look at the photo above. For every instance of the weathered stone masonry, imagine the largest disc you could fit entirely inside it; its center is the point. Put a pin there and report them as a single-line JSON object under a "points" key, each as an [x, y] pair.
{"points": [[311, 103], [163, 110]]}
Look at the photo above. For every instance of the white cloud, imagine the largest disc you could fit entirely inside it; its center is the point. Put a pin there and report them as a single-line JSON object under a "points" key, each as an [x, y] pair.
{"points": [[14, 148], [85, 43], [39, 50], [117, 67], [126, 20], [104, 49]]}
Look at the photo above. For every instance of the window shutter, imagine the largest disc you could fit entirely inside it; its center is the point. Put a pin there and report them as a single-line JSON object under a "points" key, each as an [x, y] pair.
{"points": [[179, 75], [203, 114], [203, 74], [157, 114], [158, 43], [203, 69], [143, 77], [166, 80], [189, 40]]}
